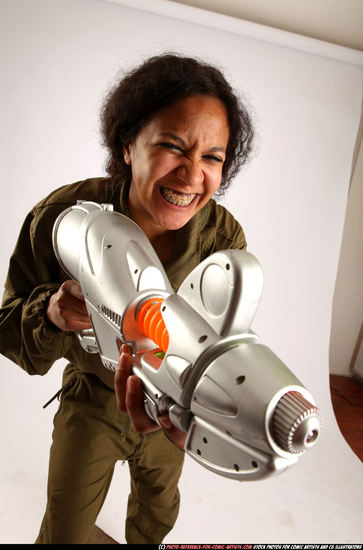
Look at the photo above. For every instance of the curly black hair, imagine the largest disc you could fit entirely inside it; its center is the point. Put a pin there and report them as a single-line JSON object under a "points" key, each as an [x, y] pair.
{"points": [[159, 82]]}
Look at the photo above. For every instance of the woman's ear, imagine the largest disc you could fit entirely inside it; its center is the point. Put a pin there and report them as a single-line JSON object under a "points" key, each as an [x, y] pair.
{"points": [[127, 155]]}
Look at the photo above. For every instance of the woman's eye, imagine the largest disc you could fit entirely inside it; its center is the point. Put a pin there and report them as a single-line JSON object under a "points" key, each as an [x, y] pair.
{"points": [[171, 146], [213, 158]]}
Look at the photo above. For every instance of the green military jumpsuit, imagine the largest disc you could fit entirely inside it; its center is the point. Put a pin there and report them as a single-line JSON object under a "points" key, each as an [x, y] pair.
{"points": [[90, 434]]}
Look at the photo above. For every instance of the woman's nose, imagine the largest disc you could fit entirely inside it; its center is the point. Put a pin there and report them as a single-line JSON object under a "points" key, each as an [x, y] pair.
{"points": [[190, 172]]}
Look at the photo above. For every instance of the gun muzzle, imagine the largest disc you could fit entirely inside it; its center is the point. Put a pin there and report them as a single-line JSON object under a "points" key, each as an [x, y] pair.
{"points": [[296, 423]]}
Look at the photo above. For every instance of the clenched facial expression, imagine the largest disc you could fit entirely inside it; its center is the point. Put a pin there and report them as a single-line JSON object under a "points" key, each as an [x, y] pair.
{"points": [[176, 162]]}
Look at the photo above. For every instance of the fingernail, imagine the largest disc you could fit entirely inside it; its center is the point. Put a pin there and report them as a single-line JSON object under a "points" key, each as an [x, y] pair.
{"points": [[125, 348], [165, 422]]}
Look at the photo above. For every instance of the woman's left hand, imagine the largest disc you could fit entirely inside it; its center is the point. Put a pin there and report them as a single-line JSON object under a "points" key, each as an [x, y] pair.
{"points": [[129, 397]]}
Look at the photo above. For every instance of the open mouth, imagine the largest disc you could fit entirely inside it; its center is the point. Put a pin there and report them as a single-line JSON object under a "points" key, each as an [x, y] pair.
{"points": [[174, 197]]}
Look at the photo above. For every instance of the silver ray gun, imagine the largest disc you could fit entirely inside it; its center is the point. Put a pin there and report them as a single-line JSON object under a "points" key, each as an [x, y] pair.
{"points": [[245, 413]]}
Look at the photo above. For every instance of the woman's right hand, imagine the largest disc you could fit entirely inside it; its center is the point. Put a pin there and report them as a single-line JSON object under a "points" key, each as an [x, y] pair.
{"points": [[67, 309], [130, 399]]}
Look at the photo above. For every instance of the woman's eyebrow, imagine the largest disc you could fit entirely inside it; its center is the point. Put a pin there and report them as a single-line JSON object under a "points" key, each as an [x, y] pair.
{"points": [[217, 150], [173, 136]]}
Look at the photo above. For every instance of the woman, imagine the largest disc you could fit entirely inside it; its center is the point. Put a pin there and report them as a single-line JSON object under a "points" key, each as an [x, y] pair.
{"points": [[176, 134]]}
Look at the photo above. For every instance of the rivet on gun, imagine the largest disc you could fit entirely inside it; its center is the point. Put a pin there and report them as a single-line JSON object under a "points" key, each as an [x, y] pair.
{"points": [[228, 267], [205, 440], [108, 246], [240, 379], [202, 338], [236, 467], [254, 464], [198, 452], [136, 270], [191, 285]]}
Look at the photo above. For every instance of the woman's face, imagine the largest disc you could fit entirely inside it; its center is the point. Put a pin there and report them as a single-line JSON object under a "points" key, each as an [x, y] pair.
{"points": [[176, 163]]}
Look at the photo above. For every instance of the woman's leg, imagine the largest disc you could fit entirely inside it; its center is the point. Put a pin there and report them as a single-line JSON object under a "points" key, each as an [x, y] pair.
{"points": [[87, 442], [153, 503]]}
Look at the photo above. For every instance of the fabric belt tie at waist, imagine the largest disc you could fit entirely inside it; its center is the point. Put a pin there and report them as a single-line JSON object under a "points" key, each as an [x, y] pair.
{"points": [[60, 392]]}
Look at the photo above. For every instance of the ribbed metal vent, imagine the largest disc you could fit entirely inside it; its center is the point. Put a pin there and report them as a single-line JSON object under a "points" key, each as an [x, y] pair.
{"points": [[296, 423], [115, 318]]}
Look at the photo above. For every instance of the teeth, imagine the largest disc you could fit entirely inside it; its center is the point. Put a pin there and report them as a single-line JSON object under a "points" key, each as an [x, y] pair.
{"points": [[180, 199]]}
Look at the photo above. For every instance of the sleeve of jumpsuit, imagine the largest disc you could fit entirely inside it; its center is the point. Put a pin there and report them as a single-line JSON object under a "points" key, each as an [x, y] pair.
{"points": [[26, 335]]}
